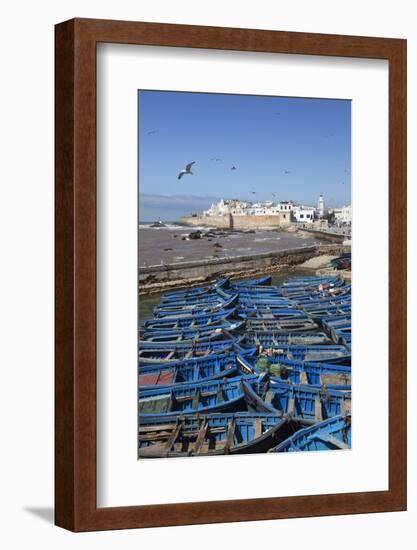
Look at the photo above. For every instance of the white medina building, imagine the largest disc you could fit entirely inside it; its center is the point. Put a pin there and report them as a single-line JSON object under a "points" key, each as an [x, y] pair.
{"points": [[304, 214], [226, 207], [246, 208], [344, 214]]}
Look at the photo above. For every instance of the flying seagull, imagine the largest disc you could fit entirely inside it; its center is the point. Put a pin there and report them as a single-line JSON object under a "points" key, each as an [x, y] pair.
{"points": [[152, 132], [233, 168], [253, 192], [273, 194], [286, 171], [187, 170], [216, 159]]}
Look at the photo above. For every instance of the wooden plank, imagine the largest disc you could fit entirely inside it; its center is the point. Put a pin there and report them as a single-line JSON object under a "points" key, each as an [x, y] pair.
{"points": [[257, 427], [200, 437], [230, 435], [172, 438], [318, 410]]}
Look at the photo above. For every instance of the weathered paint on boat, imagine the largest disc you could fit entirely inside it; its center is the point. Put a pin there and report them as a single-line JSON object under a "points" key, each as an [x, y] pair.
{"points": [[273, 338], [260, 281], [212, 434], [301, 401], [189, 371], [280, 325], [331, 434], [317, 353], [197, 321], [196, 309], [157, 335], [327, 374], [268, 312], [202, 397]]}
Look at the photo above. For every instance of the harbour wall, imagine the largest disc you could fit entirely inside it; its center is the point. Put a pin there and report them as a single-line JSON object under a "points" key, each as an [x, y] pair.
{"points": [[324, 235], [238, 222], [156, 278]]}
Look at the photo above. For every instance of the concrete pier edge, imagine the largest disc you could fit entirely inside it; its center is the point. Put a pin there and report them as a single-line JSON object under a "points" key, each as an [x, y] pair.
{"points": [[159, 278]]}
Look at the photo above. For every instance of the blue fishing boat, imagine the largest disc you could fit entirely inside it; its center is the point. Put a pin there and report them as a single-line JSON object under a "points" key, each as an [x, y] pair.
{"points": [[157, 335], [159, 355], [280, 325], [324, 288], [269, 339], [321, 313], [204, 299], [309, 281], [331, 375], [246, 311], [339, 327], [203, 397], [316, 353], [198, 320], [260, 281], [221, 283], [196, 309], [300, 401], [264, 302], [168, 353], [216, 342], [196, 369], [323, 302], [331, 434], [212, 434]]}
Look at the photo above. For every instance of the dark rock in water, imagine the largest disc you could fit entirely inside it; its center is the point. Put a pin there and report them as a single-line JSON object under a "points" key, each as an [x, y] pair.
{"points": [[250, 231], [167, 249], [217, 245], [183, 238], [209, 234], [157, 224], [195, 235], [209, 239]]}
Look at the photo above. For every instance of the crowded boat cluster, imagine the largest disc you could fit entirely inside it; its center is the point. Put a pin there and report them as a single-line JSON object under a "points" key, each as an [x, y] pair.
{"points": [[246, 367]]}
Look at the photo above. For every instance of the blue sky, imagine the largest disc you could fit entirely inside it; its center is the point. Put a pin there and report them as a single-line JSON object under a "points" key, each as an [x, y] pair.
{"points": [[295, 148]]}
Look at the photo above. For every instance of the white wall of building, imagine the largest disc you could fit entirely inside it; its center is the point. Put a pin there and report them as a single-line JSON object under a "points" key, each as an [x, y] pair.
{"points": [[304, 215]]}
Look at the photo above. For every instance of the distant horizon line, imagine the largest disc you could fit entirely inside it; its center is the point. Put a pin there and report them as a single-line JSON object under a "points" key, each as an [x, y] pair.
{"points": [[251, 200]]}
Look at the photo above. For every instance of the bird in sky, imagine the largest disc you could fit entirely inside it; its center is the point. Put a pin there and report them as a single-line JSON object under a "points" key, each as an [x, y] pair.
{"points": [[152, 132], [287, 172], [216, 159], [233, 168], [186, 170], [273, 194], [253, 192]]}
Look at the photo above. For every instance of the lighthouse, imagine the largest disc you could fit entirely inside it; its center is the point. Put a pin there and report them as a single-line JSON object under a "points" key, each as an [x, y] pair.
{"points": [[320, 206]]}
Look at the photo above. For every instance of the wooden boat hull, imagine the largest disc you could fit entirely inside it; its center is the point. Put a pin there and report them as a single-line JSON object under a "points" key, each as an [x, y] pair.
{"points": [[281, 325], [313, 353], [180, 322], [188, 371], [260, 281], [298, 401], [331, 434], [273, 338], [189, 334], [199, 398], [330, 375], [196, 309], [213, 434]]}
